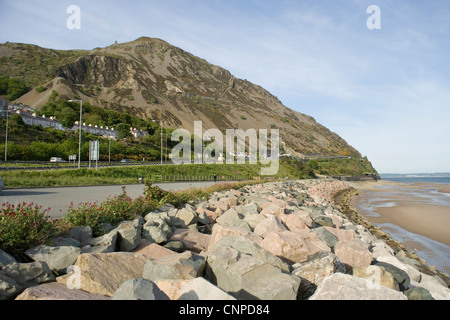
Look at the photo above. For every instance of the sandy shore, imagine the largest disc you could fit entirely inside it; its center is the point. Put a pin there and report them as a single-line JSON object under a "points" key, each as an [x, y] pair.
{"points": [[419, 208]]}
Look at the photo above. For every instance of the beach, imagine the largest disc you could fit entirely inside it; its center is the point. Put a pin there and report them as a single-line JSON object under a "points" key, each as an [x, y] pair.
{"points": [[416, 214]]}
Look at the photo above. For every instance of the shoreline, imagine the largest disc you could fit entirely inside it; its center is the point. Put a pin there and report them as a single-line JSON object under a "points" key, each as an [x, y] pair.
{"points": [[415, 214]]}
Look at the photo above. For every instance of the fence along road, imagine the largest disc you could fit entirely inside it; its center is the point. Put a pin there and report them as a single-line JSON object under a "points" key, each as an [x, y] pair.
{"points": [[59, 199]]}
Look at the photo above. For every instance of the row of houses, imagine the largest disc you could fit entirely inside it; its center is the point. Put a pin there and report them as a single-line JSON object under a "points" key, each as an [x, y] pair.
{"points": [[32, 119]]}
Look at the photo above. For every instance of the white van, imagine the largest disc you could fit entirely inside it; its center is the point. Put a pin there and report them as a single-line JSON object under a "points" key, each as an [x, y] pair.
{"points": [[57, 159]]}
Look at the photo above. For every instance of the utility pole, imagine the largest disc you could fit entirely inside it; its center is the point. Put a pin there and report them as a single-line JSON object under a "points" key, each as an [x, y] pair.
{"points": [[6, 136], [161, 124], [79, 138]]}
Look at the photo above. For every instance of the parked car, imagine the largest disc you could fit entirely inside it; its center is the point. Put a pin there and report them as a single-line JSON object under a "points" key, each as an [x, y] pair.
{"points": [[1, 184], [57, 159]]}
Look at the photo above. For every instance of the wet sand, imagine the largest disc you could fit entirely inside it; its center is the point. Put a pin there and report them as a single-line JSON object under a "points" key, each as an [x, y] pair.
{"points": [[417, 214]]}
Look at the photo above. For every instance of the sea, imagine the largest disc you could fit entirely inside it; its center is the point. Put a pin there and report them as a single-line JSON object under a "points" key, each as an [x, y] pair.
{"points": [[435, 253], [414, 179]]}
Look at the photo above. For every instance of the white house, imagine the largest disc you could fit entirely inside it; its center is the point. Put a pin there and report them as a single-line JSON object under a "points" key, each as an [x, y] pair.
{"points": [[34, 120]]}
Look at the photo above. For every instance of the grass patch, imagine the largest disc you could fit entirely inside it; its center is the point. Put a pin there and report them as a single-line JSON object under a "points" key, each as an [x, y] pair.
{"points": [[129, 175]]}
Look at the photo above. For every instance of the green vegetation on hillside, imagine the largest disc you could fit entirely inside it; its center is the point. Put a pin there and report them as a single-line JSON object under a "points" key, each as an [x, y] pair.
{"points": [[32, 64], [342, 167], [34, 143], [12, 88]]}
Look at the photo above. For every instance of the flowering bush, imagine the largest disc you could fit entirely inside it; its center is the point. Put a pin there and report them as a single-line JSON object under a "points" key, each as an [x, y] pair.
{"points": [[23, 226], [112, 211]]}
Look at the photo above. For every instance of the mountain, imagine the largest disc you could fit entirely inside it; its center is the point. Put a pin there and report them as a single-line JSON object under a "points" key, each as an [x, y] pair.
{"points": [[152, 79]]}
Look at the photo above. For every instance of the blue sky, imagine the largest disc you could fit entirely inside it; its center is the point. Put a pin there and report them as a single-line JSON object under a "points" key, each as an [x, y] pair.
{"points": [[386, 91]]}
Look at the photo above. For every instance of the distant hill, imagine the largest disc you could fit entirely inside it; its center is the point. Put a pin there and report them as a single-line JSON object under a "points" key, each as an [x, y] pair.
{"points": [[152, 79]]}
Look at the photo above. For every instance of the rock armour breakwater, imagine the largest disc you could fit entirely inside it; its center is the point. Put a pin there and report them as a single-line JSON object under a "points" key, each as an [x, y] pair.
{"points": [[280, 240]]}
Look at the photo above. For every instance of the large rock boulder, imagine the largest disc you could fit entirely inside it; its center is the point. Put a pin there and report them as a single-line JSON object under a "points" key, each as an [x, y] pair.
{"points": [[352, 254], [269, 225], [328, 237], [323, 221], [29, 274], [129, 234], [194, 289], [314, 270], [293, 246], [231, 218], [246, 246], [272, 208], [139, 289], [219, 232], [293, 222], [58, 259], [378, 275], [192, 239], [265, 282], [418, 293], [9, 288], [102, 244], [246, 277], [400, 276], [81, 233], [152, 250], [184, 217], [6, 258], [57, 291], [103, 273], [186, 265], [156, 229], [341, 286]]}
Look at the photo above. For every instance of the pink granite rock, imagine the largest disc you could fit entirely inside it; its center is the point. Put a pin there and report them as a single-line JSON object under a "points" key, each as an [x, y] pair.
{"points": [[57, 291], [293, 246], [352, 254], [192, 239]]}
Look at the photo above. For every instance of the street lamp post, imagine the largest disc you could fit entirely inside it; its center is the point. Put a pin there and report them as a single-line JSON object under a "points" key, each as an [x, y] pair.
{"points": [[79, 138], [161, 124], [6, 136]]}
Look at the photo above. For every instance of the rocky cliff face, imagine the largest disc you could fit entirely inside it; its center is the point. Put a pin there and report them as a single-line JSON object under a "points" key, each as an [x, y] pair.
{"points": [[159, 81]]}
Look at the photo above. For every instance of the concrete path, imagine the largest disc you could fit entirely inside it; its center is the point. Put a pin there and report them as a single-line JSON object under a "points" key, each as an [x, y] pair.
{"points": [[58, 199]]}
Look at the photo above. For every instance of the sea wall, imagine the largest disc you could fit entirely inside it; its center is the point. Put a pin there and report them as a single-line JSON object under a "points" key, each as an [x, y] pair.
{"points": [[289, 240]]}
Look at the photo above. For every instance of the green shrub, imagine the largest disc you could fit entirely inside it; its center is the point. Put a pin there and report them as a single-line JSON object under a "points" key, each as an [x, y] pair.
{"points": [[112, 211], [154, 193], [41, 88], [23, 226]]}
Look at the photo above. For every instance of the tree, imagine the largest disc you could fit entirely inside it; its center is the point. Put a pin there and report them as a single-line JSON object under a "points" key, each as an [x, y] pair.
{"points": [[67, 117], [16, 123], [124, 130], [12, 88]]}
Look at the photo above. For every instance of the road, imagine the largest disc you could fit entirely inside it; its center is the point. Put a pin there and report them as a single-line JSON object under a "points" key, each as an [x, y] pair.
{"points": [[58, 199]]}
